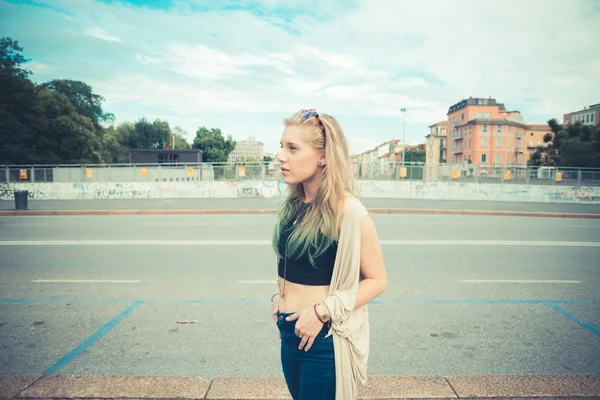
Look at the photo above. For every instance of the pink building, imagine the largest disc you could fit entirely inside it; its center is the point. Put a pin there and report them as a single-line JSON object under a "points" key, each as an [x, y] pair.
{"points": [[482, 132]]}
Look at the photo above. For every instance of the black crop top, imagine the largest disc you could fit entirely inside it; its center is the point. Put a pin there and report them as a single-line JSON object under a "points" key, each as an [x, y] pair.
{"points": [[300, 270]]}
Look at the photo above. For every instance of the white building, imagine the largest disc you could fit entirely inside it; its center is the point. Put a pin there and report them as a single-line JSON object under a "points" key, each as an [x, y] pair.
{"points": [[247, 150]]}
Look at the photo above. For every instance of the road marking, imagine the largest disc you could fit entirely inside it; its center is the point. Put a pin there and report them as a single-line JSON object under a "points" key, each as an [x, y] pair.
{"points": [[515, 281], [82, 281], [197, 223], [136, 243], [488, 243], [90, 341], [268, 243], [257, 281]]}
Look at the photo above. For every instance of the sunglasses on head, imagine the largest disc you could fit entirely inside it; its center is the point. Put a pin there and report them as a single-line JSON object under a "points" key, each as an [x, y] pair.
{"points": [[303, 115]]}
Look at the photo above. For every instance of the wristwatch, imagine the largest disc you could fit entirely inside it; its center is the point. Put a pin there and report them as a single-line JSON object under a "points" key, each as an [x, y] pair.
{"points": [[322, 311]]}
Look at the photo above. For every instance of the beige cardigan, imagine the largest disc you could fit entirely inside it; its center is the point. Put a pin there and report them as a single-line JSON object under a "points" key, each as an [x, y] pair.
{"points": [[349, 327]]}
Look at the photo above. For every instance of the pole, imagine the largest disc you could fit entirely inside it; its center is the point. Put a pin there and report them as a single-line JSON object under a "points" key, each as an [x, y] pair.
{"points": [[403, 110]]}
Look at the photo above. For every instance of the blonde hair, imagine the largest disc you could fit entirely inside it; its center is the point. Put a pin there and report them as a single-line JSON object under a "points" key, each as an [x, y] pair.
{"points": [[323, 212]]}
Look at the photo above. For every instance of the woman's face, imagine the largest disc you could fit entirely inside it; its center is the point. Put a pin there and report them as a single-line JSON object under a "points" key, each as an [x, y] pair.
{"points": [[299, 160]]}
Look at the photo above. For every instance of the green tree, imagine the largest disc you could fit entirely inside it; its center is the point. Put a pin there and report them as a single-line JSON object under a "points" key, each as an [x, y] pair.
{"points": [[415, 156], [19, 115], [11, 59], [180, 141], [86, 102], [19, 112], [215, 148], [64, 135], [573, 145], [115, 143], [149, 135]]}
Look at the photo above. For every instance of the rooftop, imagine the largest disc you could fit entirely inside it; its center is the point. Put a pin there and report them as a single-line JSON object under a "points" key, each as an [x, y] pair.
{"points": [[539, 127], [442, 123], [476, 101]]}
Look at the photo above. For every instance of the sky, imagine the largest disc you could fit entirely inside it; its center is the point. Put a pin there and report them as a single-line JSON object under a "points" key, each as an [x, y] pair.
{"points": [[242, 66]]}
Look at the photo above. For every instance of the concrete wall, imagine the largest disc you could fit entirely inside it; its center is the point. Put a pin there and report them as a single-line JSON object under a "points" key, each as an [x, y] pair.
{"points": [[271, 188]]}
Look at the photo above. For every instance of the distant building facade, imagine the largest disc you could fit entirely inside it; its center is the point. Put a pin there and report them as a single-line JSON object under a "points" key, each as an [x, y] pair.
{"points": [[247, 150], [587, 116], [435, 149], [164, 156], [481, 131]]}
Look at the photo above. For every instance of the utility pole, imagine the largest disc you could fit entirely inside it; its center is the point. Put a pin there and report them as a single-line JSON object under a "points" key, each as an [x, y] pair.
{"points": [[403, 110]]}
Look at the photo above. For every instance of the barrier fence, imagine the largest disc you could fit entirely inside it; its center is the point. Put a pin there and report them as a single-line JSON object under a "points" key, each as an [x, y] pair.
{"points": [[567, 176]]}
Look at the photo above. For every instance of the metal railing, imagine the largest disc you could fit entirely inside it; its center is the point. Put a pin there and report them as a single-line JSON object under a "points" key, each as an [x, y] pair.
{"points": [[166, 172], [389, 170], [515, 174]]}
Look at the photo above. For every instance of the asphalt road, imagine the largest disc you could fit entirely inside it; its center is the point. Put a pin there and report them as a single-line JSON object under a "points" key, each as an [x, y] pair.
{"points": [[448, 309], [272, 203]]}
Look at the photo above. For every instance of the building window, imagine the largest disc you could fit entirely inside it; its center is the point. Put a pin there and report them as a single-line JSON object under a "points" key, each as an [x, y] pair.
{"points": [[592, 119], [509, 129], [498, 158], [498, 128], [469, 142], [485, 127], [462, 116], [531, 134], [499, 142], [484, 141], [484, 158]]}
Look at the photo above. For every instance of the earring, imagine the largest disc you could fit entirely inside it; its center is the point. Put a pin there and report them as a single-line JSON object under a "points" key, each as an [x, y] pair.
{"points": [[320, 163]]}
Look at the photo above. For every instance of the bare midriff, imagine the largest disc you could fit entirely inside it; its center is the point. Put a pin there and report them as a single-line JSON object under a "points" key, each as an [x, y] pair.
{"points": [[299, 297]]}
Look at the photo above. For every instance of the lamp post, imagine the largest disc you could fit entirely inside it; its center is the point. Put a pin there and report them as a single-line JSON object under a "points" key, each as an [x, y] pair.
{"points": [[403, 110]]}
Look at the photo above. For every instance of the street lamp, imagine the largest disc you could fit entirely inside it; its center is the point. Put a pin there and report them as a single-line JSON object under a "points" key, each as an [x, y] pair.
{"points": [[403, 110]]}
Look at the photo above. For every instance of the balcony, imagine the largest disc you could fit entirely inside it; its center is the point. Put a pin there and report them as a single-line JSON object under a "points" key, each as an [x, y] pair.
{"points": [[457, 136], [519, 135], [519, 148], [456, 150]]}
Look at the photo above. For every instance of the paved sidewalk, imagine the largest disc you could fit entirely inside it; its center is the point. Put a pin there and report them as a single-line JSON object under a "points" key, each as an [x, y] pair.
{"points": [[379, 387]]}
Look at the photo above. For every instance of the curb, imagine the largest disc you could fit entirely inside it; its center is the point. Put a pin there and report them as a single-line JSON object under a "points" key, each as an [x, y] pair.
{"points": [[550, 386], [13, 213]]}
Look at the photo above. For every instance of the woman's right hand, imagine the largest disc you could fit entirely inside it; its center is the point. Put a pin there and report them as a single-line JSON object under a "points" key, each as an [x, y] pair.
{"points": [[275, 310]]}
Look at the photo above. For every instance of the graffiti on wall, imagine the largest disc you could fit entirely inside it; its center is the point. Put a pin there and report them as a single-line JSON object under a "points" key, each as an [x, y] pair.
{"points": [[583, 194], [276, 189]]}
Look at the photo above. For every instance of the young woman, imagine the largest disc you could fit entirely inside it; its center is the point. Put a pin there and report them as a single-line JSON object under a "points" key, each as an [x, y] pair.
{"points": [[329, 263]]}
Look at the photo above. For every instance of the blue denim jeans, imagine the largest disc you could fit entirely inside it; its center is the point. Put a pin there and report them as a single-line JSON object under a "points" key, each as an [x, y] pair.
{"points": [[310, 375]]}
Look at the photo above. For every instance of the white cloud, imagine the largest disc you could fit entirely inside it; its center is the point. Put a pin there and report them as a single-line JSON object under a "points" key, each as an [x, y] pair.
{"points": [[99, 33], [366, 60], [203, 62]]}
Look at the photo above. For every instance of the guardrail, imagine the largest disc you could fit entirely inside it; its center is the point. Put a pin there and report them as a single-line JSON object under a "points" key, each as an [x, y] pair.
{"points": [[183, 172]]}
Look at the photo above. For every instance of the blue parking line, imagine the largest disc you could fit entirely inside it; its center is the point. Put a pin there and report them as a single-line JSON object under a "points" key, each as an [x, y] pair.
{"points": [[586, 325], [73, 354]]}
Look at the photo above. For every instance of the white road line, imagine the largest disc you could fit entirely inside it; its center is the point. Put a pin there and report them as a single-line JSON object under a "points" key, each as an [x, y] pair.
{"points": [[251, 282], [268, 243], [198, 223], [82, 281], [136, 243], [515, 281], [487, 243]]}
